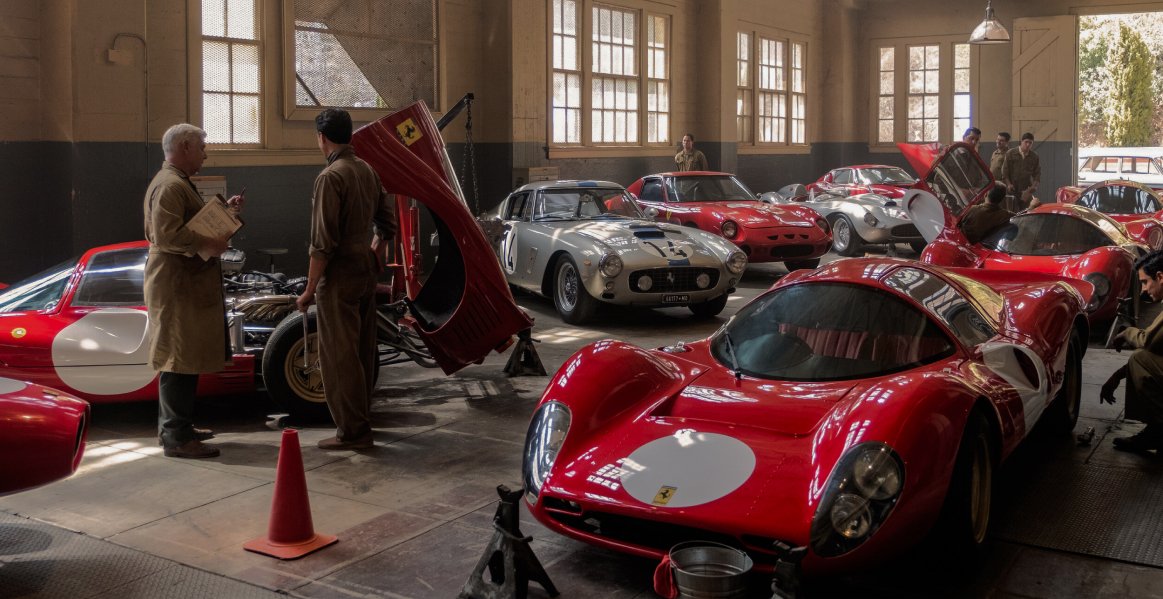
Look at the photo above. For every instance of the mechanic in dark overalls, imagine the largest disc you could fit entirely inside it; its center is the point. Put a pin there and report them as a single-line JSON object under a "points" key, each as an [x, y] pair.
{"points": [[341, 278]]}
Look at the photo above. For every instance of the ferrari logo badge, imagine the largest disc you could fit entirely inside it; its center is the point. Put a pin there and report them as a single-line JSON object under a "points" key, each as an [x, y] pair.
{"points": [[18, 332], [408, 132], [664, 495]]}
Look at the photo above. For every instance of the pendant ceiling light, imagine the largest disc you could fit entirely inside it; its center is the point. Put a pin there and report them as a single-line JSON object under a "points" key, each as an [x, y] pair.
{"points": [[990, 31]]}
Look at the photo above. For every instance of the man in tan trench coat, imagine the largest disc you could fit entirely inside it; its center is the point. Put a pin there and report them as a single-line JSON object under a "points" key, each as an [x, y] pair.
{"points": [[1144, 369], [341, 276], [183, 293]]}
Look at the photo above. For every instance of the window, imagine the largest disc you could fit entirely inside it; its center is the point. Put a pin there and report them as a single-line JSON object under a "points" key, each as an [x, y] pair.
{"points": [[625, 67], [340, 49], [922, 89], [231, 72], [772, 108]]}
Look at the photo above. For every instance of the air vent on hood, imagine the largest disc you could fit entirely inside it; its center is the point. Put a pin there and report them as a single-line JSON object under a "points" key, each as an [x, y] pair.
{"points": [[647, 232]]}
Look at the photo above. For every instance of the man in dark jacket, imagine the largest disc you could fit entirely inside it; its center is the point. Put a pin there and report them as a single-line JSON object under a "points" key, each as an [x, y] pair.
{"points": [[985, 218], [1144, 369]]}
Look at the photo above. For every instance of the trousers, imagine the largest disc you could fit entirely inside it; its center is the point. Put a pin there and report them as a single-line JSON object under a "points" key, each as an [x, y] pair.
{"points": [[347, 350], [175, 407]]}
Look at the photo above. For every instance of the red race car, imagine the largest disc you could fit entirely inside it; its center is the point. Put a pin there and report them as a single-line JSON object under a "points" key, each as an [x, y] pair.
{"points": [[843, 414], [889, 181], [1059, 239], [1138, 207], [42, 435], [721, 204]]}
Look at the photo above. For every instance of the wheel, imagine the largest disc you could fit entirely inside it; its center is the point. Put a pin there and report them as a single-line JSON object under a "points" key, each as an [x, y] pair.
{"points": [[918, 246], [793, 265], [966, 515], [1063, 412], [573, 302], [709, 308], [845, 240], [295, 387]]}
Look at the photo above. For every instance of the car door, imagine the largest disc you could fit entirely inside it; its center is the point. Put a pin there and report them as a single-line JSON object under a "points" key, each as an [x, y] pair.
{"points": [[515, 222]]}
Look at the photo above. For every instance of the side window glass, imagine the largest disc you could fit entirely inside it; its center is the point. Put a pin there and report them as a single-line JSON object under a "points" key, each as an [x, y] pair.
{"points": [[844, 177], [944, 302], [652, 190], [517, 206], [113, 279]]}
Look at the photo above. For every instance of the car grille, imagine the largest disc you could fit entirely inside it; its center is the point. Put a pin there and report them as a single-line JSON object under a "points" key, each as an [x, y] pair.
{"points": [[905, 231], [787, 236], [670, 280], [791, 251], [658, 535]]}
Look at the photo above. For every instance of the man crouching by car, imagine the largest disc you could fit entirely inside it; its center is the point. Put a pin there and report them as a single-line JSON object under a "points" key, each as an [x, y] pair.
{"points": [[1144, 369]]}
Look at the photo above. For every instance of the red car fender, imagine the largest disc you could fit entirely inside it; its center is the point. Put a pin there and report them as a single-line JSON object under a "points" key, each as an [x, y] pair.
{"points": [[945, 251], [42, 436], [1113, 261], [1146, 231]]}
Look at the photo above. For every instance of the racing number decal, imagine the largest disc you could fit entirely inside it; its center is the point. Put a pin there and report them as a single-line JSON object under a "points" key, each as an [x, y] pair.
{"points": [[18, 333], [664, 495]]}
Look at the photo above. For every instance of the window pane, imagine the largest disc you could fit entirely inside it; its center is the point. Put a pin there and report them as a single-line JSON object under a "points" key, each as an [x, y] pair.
{"points": [[573, 91], [961, 56], [887, 59], [569, 18], [886, 106], [887, 83], [961, 106], [216, 118], [214, 18], [916, 58], [930, 106], [246, 76], [884, 135], [932, 57], [215, 66], [916, 107], [240, 19], [932, 83], [961, 80], [246, 120]]}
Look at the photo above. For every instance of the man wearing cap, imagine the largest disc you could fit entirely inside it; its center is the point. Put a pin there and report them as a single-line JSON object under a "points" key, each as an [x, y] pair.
{"points": [[341, 278]]}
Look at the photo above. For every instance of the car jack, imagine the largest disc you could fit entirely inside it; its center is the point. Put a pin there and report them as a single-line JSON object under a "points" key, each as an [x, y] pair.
{"points": [[786, 584], [508, 557], [524, 359]]}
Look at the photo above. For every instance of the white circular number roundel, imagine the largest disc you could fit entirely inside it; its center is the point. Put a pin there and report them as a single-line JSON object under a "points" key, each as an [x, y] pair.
{"points": [[105, 352], [11, 386], [687, 468]]}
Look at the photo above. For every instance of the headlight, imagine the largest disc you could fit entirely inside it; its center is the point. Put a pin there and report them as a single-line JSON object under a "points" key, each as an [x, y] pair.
{"points": [[1102, 288], [610, 265], [861, 492], [730, 229], [870, 219], [645, 283], [547, 432], [823, 224], [736, 262]]}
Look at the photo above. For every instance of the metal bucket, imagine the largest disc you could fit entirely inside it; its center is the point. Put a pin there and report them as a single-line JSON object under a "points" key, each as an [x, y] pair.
{"points": [[708, 570]]}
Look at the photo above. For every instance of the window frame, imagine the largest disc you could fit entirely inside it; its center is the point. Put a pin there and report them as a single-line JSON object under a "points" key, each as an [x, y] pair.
{"points": [[789, 40], [266, 80], [900, 94]]}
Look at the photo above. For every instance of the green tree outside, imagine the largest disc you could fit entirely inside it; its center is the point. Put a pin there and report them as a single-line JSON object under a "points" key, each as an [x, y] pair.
{"points": [[1131, 107]]}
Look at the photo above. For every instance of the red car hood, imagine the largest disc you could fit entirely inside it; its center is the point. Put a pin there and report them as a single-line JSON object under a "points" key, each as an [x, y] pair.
{"points": [[754, 215]]}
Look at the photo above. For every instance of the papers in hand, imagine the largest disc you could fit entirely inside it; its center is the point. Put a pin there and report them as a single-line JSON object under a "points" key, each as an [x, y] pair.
{"points": [[214, 220]]}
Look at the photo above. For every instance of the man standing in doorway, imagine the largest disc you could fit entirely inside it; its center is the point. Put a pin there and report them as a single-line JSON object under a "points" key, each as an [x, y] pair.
{"points": [[997, 160], [183, 293], [341, 277], [1023, 171], [690, 159]]}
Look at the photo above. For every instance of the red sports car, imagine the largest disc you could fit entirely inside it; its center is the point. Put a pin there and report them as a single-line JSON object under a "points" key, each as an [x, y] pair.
{"points": [[846, 412], [889, 181], [721, 204], [1060, 239], [1139, 208], [42, 435]]}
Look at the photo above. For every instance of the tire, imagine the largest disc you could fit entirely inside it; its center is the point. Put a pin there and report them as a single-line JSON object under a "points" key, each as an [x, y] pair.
{"points": [[574, 304], [918, 246], [845, 240], [793, 265], [966, 515], [293, 387], [1063, 412], [710, 308]]}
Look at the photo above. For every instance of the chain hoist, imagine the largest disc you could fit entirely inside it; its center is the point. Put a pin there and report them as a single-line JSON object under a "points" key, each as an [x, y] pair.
{"points": [[469, 158]]}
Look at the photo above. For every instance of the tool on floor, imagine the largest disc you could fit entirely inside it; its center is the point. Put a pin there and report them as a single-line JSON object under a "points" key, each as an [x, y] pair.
{"points": [[1085, 438], [524, 359], [508, 557], [291, 534]]}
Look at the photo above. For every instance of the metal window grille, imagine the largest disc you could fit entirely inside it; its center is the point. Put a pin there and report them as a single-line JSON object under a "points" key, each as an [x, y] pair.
{"points": [[961, 100], [886, 99], [658, 80], [924, 89], [231, 72], [614, 88], [566, 74], [772, 91], [744, 106]]}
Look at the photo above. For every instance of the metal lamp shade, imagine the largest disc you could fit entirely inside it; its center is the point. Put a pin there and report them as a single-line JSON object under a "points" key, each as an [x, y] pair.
{"points": [[990, 31]]}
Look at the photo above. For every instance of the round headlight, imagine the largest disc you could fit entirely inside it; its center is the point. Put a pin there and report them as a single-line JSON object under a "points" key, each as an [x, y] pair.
{"points": [[1102, 288], [703, 280], [546, 434], [870, 219], [850, 516], [736, 262], [610, 265], [823, 224], [876, 474], [730, 229], [645, 283]]}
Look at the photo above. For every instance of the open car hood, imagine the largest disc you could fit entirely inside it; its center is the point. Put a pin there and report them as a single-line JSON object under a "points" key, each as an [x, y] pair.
{"points": [[951, 181], [464, 308]]}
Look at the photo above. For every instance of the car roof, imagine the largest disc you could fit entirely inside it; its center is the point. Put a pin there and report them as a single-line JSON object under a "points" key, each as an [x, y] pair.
{"points": [[690, 174], [1094, 217], [568, 184], [863, 166]]}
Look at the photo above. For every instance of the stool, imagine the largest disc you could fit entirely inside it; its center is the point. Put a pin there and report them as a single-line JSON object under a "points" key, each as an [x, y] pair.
{"points": [[272, 252]]}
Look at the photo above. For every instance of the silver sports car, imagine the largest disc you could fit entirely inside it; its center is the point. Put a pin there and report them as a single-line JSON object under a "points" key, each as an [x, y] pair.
{"points": [[584, 242], [856, 220]]}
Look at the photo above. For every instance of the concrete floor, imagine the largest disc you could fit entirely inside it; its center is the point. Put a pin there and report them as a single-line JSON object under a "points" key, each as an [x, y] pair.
{"points": [[414, 514]]}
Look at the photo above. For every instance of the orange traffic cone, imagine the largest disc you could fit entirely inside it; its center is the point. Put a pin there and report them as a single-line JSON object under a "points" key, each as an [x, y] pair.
{"points": [[290, 534]]}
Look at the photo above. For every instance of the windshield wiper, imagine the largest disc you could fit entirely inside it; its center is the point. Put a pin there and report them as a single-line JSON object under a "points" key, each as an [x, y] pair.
{"points": [[731, 352]]}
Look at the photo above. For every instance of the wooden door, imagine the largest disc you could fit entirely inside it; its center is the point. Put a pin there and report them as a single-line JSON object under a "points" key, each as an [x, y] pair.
{"points": [[1045, 75]]}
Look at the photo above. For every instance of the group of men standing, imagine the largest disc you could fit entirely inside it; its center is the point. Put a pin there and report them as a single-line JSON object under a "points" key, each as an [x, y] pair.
{"points": [[184, 298]]}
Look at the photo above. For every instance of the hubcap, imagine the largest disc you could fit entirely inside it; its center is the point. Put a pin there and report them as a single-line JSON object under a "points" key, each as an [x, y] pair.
{"points": [[841, 234], [567, 287], [305, 382]]}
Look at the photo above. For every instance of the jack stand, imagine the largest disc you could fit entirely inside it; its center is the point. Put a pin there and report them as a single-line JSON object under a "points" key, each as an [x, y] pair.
{"points": [[787, 571], [524, 359], [509, 558]]}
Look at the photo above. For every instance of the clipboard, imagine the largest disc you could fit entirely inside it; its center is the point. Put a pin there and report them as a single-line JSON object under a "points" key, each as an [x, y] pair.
{"points": [[214, 220]]}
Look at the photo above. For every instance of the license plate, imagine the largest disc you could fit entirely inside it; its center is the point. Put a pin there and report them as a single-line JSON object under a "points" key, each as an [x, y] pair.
{"points": [[676, 298]]}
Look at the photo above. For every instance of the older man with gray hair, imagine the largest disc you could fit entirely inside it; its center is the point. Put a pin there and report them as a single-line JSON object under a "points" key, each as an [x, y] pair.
{"points": [[183, 293]]}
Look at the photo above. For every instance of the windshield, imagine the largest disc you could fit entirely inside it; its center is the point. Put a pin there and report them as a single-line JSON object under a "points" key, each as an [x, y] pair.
{"points": [[41, 291], [1120, 199], [829, 331], [113, 278], [958, 179], [1046, 235], [707, 188], [888, 175], [584, 203]]}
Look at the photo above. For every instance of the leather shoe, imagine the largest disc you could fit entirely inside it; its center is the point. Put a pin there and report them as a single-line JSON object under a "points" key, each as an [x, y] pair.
{"points": [[360, 442], [200, 434], [193, 449], [1142, 442]]}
